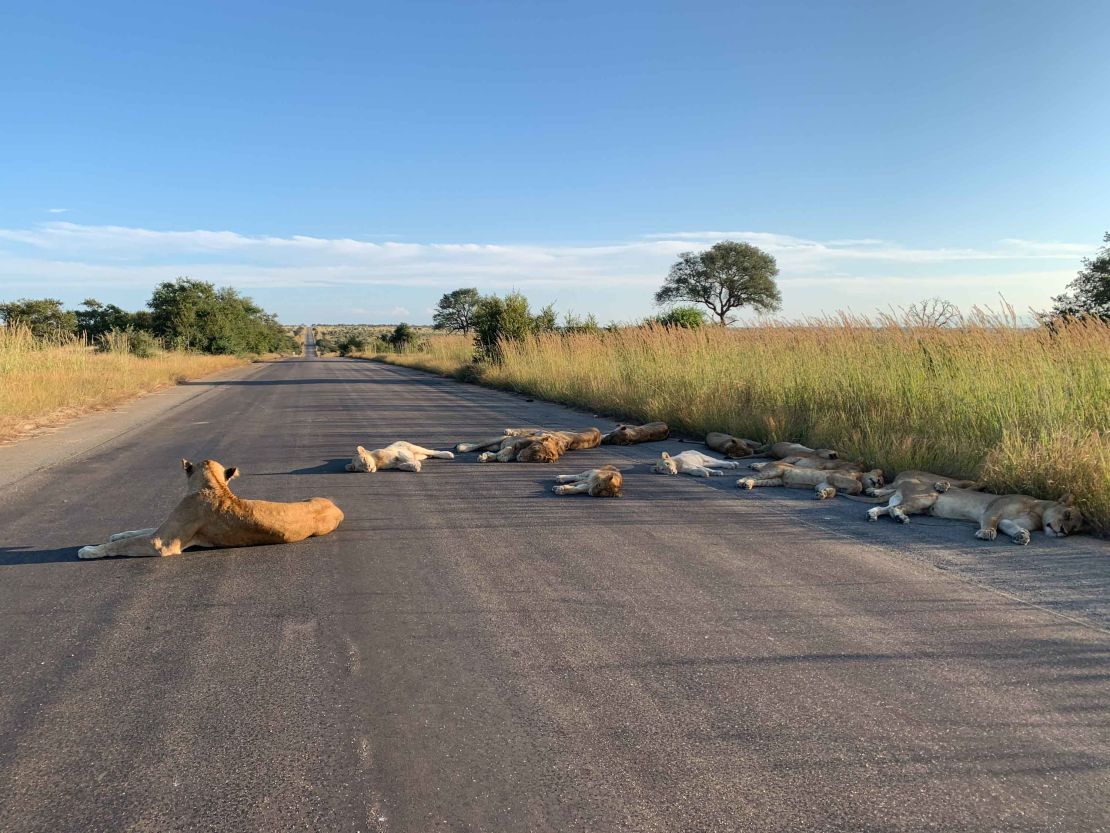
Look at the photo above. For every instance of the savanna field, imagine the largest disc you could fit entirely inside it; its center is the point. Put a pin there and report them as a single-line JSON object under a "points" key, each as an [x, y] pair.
{"points": [[1024, 409], [42, 383]]}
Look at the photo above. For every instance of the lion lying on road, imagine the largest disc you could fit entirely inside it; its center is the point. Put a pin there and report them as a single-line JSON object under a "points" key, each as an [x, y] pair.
{"points": [[909, 485], [603, 482], [784, 451], [509, 434], [211, 516], [633, 434], [1015, 515], [693, 463], [825, 483], [538, 446], [401, 456], [730, 446]]}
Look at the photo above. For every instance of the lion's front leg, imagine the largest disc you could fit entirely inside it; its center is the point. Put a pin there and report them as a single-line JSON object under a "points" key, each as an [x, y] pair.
{"points": [[988, 529], [1018, 534], [582, 487], [134, 547], [134, 533], [755, 482]]}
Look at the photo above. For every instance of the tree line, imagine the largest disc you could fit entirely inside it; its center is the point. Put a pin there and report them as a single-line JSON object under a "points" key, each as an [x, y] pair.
{"points": [[184, 314]]}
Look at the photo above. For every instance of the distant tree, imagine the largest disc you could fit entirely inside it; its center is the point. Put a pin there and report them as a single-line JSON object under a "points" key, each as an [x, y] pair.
{"points": [[546, 320], [500, 319], [350, 344], [932, 312], [574, 324], [44, 317], [403, 336], [95, 319], [455, 311], [1090, 290], [724, 277], [688, 317]]}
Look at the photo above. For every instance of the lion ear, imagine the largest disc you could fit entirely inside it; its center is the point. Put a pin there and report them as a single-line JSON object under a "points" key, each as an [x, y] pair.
{"points": [[230, 473], [360, 449], [185, 464], [666, 456]]}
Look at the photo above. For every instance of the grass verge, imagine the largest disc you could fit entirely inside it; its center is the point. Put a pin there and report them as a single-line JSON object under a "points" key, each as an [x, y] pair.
{"points": [[1024, 409], [42, 385]]}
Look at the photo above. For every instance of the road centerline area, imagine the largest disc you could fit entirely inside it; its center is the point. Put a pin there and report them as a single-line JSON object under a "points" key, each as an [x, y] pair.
{"points": [[470, 652]]}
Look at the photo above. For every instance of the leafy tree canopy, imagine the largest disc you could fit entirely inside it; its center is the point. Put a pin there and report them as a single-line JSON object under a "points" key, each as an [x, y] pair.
{"points": [[455, 311], [724, 277], [1090, 290]]}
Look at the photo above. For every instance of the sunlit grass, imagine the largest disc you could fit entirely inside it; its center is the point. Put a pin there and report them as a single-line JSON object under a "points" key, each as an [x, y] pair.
{"points": [[1025, 409], [46, 384]]}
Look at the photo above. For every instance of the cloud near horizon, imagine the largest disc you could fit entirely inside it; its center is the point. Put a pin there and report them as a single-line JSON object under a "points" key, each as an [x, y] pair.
{"points": [[59, 255]]}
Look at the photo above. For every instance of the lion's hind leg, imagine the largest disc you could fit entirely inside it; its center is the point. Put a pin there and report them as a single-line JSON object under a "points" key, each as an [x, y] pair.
{"points": [[134, 547], [580, 487], [133, 533], [755, 482]]}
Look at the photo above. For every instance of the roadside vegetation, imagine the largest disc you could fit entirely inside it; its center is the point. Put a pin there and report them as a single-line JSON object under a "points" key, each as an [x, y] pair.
{"points": [[57, 363], [1022, 407]]}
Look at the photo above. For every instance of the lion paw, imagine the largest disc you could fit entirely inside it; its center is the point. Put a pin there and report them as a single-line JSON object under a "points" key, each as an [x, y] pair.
{"points": [[1020, 537], [746, 482], [901, 517], [942, 486], [986, 534], [89, 552], [487, 457], [826, 493], [872, 514]]}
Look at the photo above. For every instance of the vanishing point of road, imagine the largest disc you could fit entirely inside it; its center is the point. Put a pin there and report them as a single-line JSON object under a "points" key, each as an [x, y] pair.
{"points": [[469, 652]]}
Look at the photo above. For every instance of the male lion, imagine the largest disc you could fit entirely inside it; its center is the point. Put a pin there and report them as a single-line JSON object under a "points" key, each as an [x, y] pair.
{"points": [[603, 482], [498, 441], [693, 463], [211, 516], [1015, 515], [730, 446], [782, 451], [633, 434], [400, 455], [542, 447], [825, 483]]}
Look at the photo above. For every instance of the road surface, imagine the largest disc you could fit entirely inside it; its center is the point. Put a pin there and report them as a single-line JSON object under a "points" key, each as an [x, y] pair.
{"points": [[469, 652]]}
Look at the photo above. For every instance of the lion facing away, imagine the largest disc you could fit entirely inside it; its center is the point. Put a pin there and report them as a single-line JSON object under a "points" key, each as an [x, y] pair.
{"points": [[730, 446], [210, 515], [693, 463], [825, 484], [603, 482], [1014, 515], [633, 434], [400, 455]]}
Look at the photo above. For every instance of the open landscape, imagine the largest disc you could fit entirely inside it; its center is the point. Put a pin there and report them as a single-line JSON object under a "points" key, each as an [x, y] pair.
{"points": [[555, 417]]}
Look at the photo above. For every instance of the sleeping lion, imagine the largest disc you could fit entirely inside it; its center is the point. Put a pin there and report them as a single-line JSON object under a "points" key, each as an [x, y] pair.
{"points": [[400, 455], [633, 434], [210, 515], [781, 451], [603, 482], [539, 447], [824, 483], [730, 446]]}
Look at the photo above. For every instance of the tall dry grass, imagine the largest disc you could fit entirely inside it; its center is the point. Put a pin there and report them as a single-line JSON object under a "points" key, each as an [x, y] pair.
{"points": [[43, 384], [1025, 409]]}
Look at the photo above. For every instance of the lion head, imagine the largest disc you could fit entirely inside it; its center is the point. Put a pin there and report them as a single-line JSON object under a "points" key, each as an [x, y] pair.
{"points": [[665, 465], [362, 461], [1062, 518]]}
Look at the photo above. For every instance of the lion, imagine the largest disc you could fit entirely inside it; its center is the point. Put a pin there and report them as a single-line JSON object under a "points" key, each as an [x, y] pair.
{"points": [[499, 441], [210, 515], [821, 463], [781, 451], [1016, 515], [633, 434], [730, 446], [400, 455], [603, 482], [825, 484], [910, 485], [542, 447], [693, 463]]}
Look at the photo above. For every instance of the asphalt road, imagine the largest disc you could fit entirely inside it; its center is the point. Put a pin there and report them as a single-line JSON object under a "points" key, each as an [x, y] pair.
{"points": [[469, 652]]}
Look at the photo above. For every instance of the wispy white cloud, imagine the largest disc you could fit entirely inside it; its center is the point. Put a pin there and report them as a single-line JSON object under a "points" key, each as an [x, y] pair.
{"points": [[57, 210], [815, 274]]}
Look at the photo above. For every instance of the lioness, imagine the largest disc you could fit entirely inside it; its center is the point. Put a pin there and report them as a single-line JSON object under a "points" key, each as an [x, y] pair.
{"points": [[693, 463], [603, 482], [825, 483], [632, 434], [211, 516], [499, 441], [400, 455], [543, 447], [1015, 515], [730, 446], [911, 485], [782, 450], [812, 463]]}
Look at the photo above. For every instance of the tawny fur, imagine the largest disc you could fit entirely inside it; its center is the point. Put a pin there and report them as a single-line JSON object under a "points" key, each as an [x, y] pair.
{"points": [[730, 446], [401, 455], [603, 482], [782, 450], [1015, 515], [633, 434], [541, 447], [211, 516], [497, 442], [693, 463], [825, 484]]}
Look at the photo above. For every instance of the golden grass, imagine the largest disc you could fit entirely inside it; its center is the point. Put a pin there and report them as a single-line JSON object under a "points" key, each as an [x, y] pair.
{"points": [[44, 385], [1025, 409]]}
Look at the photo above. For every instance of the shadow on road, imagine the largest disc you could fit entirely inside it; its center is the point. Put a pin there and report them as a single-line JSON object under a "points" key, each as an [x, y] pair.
{"points": [[336, 465], [12, 556]]}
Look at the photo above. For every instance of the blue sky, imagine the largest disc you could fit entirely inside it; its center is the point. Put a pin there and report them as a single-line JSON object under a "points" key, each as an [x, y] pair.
{"points": [[353, 161]]}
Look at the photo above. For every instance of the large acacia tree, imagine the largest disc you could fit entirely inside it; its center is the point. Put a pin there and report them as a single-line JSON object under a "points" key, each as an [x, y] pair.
{"points": [[1090, 290], [455, 310], [723, 278]]}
